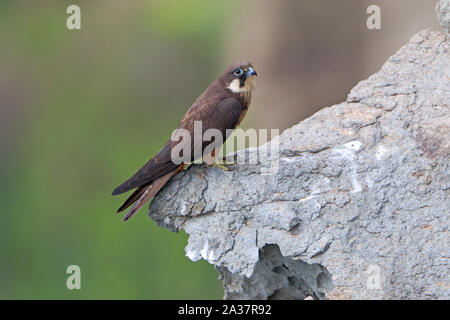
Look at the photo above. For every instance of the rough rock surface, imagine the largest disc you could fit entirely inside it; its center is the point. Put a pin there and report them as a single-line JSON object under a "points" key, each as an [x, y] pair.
{"points": [[359, 206], [443, 14]]}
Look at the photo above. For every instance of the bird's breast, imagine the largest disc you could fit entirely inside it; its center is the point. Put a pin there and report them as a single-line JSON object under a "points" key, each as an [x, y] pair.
{"points": [[245, 98]]}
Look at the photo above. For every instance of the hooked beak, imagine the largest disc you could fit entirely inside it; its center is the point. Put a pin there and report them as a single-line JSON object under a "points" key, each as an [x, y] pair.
{"points": [[251, 72]]}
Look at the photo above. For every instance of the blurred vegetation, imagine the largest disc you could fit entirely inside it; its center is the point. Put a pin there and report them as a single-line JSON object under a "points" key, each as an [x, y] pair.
{"points": [[85, 109]]}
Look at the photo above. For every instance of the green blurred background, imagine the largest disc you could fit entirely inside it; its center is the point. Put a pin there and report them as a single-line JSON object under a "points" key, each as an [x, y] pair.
{"points": [[81, 110]]}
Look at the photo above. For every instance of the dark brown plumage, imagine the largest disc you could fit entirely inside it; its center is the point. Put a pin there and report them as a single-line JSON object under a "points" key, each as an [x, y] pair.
{"points": [[221, 106]]}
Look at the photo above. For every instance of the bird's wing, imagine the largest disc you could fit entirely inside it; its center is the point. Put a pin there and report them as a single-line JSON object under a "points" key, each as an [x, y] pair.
{"points": [[224, 115], [156, 167]]}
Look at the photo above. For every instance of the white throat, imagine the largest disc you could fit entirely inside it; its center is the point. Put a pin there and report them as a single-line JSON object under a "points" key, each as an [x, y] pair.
{"points": [[235, 87]]}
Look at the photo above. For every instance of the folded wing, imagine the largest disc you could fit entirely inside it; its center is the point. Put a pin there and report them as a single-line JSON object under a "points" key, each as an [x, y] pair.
{"points": [[225, 115]]}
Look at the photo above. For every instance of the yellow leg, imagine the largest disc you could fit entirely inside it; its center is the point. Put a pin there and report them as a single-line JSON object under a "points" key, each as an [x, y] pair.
{"points": [[209, 160]]}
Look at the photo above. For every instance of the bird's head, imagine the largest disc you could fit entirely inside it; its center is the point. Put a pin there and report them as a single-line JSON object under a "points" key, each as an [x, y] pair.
{"points": [[239, 77]]}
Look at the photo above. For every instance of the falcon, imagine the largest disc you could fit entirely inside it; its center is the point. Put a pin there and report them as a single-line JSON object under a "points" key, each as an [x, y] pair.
{"points": [[221, 107]]}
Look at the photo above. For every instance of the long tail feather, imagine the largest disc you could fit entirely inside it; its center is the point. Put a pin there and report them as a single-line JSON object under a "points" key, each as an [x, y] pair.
{"points": [[150, 191], [132, 198]]}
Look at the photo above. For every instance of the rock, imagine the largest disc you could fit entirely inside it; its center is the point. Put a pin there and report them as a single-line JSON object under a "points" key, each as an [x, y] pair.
{"points": [[358, 207], [443, 14]]}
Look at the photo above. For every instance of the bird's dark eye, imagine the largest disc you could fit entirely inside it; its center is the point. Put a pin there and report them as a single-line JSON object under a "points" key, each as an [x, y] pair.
{"points": [[238, 72]]}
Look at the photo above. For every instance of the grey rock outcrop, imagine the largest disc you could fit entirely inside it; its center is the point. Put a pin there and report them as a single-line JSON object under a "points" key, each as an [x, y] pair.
{"points": [[443, 14], [358, 207]]}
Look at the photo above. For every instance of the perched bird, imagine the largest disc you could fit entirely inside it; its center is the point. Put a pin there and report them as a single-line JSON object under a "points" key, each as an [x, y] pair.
{"points": [[221, 106]]}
